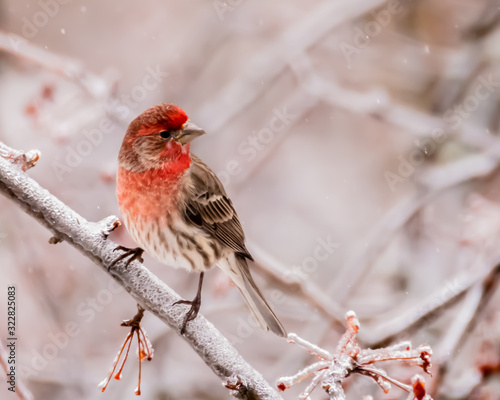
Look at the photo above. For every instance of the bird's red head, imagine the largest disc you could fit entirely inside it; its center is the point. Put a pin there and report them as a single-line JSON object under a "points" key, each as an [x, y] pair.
{"points": [[159, 135], [163, 117]]}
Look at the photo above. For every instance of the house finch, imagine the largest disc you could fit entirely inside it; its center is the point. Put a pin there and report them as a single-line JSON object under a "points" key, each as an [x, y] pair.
{"points": [[177, 210]]}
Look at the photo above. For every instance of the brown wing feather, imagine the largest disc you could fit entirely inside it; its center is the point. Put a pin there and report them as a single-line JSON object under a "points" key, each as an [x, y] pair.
{"points": [[210, 209]]}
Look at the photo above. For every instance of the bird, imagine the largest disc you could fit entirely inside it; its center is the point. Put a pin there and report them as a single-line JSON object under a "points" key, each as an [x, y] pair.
{"points": [[177, 210]]}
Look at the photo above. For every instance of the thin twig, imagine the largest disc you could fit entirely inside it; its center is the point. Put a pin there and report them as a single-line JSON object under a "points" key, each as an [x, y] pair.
{"points": [[24, 160], [350, 358]]}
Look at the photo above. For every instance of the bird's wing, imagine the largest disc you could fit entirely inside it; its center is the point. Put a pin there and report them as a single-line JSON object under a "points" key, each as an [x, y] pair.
{"points": [[208, 207]]}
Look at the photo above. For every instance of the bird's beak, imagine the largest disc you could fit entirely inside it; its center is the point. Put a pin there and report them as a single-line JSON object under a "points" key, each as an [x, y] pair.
{"points": [[188, 132]]}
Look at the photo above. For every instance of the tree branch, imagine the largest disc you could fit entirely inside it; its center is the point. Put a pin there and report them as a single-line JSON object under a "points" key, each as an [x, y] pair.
{"points": [[148, 290]]}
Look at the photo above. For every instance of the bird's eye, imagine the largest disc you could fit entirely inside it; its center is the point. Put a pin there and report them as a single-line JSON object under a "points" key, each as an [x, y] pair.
{"points": [[165, 134]]}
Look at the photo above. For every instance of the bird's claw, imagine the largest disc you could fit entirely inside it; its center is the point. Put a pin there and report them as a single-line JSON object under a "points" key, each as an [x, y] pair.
{"points": [[192, 313], [134, 254], [195, 305]]}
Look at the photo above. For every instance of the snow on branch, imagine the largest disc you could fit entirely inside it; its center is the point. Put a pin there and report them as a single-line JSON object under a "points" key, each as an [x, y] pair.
{"points": [[150, 292], [349, 358], [24, 160]]}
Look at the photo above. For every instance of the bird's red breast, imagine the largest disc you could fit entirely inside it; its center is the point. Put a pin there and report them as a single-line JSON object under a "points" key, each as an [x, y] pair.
{"points": [[153, 192]]}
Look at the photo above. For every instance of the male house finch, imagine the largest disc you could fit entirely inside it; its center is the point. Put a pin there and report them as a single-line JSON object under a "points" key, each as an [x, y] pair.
{"points": [[177, 210]]}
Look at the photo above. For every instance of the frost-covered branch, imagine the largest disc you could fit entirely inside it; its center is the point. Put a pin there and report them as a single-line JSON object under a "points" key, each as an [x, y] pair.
{"points": [[349, 358], [149, 291], [24, 160]]}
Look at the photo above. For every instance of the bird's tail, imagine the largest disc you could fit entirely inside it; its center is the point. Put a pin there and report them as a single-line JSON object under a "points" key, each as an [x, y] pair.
{"points": [[239, 273]]}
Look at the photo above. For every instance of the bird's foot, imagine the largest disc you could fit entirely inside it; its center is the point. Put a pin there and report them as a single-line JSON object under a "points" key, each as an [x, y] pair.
{"points": [[193, 311], [134, 254], [195, 305]]}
